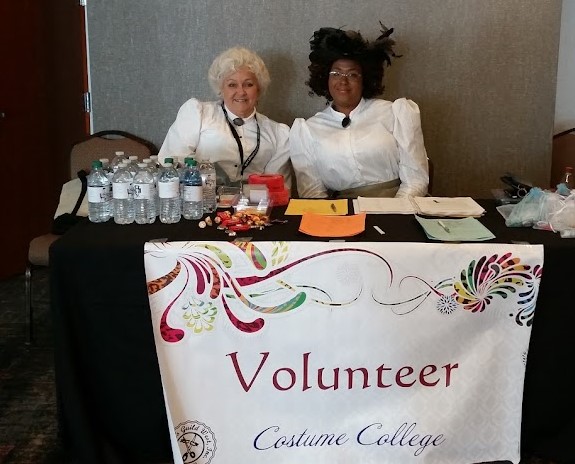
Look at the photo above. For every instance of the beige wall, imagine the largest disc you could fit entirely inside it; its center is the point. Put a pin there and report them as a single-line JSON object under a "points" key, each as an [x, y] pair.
{"points": [[482, 71]]}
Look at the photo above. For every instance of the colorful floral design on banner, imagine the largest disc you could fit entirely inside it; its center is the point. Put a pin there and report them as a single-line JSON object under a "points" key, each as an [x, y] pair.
{"points": [[209, 265], [479, 283], [203, 279]]}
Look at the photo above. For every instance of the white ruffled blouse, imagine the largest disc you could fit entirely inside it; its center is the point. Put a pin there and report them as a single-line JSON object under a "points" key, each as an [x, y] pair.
{"points": [[383, 142], [201, 128]]}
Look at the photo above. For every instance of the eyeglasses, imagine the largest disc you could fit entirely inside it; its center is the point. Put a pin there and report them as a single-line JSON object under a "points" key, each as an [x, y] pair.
{"points": [[352, 76]]}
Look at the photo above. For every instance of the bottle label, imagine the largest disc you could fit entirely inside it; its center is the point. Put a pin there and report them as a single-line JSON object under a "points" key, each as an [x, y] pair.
{"points": [[143, 191], [209, 180], [121, 190], [100, 194], [193, 193], [169, 189]]}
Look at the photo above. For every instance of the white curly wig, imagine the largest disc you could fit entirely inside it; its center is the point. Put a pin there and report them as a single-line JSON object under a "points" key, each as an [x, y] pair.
{"points": [[233, 59]]}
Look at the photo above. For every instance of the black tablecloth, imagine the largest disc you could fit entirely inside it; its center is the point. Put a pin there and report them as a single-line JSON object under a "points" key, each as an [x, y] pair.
{"points": [[111, 405]]}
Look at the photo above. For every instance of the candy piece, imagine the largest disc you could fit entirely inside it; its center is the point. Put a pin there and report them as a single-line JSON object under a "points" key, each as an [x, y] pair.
{"points": [[202, 224], [239, 227], [209, 221]]}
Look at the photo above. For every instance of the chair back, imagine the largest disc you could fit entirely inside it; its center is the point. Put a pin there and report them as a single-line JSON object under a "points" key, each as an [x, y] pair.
{"points": [[105, 144], [563, 155]]}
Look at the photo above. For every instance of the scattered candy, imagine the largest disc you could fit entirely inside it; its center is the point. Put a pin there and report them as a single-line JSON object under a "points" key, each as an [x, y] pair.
{"points": [[239, 221], [202, 224]]}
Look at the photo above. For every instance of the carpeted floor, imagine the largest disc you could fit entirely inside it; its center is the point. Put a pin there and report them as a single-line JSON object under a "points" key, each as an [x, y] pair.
{"points": [[28, 417], [28, 424]]}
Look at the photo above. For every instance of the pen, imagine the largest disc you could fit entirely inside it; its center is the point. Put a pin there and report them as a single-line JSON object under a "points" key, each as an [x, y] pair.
{"points": [[443, 226], [333, 208]]}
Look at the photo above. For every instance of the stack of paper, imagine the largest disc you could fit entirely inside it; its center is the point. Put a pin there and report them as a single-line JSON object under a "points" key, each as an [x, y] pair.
{"points": [[448, 207], [455, 230], [428, 206], [385, 205]]}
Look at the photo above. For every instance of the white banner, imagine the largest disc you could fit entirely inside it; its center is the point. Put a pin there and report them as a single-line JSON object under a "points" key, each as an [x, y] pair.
{"points": [[309, 352]]}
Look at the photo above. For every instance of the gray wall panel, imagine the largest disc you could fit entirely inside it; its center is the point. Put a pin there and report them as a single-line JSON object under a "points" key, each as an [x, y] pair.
{"points": [[482, 71]]}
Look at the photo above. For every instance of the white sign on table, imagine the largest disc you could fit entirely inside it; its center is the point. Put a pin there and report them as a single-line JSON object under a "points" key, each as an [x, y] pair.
{"points": [[309, 352]]}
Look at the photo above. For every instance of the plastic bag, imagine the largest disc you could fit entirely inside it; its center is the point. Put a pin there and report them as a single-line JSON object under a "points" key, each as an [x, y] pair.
{"points": [[535, 209], [564, 218]]}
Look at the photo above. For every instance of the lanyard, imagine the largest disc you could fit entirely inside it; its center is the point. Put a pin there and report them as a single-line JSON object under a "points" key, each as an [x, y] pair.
{"points": [[245, 163]]}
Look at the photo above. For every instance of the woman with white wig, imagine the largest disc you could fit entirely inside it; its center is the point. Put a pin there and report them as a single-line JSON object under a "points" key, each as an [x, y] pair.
{"points": [[230, 132]]}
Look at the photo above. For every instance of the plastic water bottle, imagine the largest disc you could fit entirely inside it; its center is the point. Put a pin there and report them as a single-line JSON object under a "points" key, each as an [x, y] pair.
{"points": [[169, 193], [133, 165], [99, 194], [144, 195], [123, 195], [192, 199], [107, 167], [156, 173], [106, 164], [208, 171], [115, 164]]}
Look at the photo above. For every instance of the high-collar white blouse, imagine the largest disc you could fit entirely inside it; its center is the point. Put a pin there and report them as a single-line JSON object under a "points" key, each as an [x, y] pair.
{"points": [[201, 128], [383, 142]]}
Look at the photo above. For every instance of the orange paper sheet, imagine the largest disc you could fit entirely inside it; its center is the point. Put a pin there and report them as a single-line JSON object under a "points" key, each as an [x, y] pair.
{"points": [[320, 225]]}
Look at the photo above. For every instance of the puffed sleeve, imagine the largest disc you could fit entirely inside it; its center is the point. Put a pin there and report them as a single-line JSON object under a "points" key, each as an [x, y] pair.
{"points": [[280, 161], [309, 184], [413, 167], [183, 135]]}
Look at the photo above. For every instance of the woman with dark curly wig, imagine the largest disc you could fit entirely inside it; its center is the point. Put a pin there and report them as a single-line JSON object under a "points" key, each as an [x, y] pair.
{"points": [[358, 145]]}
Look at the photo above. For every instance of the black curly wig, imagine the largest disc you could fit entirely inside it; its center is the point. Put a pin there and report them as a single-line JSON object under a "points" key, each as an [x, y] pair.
{"points": [[330, 44]]}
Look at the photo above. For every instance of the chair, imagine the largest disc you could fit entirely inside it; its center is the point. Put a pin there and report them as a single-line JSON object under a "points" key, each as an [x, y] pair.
{"points": [[563, 155], [99, 145]]}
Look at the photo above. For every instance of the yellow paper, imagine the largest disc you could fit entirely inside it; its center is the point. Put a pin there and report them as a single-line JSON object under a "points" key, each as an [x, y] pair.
{"points": [[298, 207], [320, 225]]}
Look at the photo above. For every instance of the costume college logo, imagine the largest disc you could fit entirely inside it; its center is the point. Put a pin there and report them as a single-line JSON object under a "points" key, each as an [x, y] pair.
{"points": [[197, 442]]}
